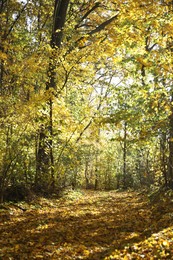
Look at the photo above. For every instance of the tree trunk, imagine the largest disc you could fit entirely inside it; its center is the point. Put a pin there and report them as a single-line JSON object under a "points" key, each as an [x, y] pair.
{"points": [[45, 158], [163, 157], [170, 162], [125, 157], [86, 174]]}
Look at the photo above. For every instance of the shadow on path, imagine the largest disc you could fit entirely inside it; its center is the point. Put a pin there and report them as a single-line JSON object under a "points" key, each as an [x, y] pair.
{"points": [[89, 227]]}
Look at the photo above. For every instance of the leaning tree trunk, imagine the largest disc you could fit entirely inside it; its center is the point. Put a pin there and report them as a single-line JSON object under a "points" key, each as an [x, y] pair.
{"points": [[45, 160]]}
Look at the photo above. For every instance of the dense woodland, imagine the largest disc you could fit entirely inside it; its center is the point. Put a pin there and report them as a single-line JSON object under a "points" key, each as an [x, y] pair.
{"points": [[86, 95], [86, 123]]}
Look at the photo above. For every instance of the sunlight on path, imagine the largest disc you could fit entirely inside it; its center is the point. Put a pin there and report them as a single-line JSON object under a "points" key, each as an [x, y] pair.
{"points": [[85, 225]]}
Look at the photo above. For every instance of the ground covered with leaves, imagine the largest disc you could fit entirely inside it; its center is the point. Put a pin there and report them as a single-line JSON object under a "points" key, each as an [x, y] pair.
{"points": [[88, 225]]}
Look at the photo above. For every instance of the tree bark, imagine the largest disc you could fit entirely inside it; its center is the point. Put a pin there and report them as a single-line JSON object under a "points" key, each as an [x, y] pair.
{"points": [[125, 157], [170, 163], [45, 158], [163, 157]]}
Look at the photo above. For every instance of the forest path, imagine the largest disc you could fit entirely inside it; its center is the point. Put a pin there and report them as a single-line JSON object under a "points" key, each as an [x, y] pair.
{"points": [[88, 225]]}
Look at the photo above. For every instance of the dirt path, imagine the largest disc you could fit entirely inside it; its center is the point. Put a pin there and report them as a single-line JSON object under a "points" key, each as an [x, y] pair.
{"points": [[87, 225]]}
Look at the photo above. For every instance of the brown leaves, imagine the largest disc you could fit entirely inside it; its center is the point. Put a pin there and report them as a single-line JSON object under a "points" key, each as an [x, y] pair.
{"points": [[86, 225]]}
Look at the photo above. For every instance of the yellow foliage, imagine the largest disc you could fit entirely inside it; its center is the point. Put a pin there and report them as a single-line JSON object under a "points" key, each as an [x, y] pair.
{"points": [[168, 28], [3, 56], [144, 62]]}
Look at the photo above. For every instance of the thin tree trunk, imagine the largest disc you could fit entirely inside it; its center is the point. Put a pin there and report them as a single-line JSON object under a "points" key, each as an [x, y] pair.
{"points": [[170, 165], [163, 157], [125, 157]]}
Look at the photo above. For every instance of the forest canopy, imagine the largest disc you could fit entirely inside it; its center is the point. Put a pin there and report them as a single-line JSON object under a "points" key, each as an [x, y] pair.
{"points": [[86, 95]]}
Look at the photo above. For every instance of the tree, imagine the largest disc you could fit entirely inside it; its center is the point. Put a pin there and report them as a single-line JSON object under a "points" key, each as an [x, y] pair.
{"points": [[45, 159]]}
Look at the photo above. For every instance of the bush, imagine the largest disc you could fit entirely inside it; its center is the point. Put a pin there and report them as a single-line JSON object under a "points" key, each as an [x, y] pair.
{"points": [[17, 193]]}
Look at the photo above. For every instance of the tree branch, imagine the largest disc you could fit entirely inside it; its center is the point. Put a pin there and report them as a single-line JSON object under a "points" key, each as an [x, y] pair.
{"points": [[15, 21], [97, 4], [103, 25], [97, 29]]}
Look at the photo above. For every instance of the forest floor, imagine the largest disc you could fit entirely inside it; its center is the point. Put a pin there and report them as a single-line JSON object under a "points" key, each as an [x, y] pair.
{"points": [[88, 225]]}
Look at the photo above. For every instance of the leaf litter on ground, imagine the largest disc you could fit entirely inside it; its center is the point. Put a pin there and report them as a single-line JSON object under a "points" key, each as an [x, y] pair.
{"points": [[88, 225]]}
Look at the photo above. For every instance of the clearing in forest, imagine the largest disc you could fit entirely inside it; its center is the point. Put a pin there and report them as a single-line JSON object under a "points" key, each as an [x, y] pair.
{"points": [[88, 225]]}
